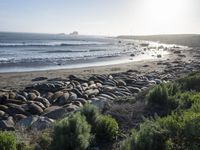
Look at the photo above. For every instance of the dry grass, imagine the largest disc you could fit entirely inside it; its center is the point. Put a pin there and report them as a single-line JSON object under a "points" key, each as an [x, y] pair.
{"points": [[127, 115]]}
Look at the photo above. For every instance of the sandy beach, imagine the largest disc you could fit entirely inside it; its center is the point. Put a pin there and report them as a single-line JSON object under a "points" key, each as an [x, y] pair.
{"points": [[18, 80]]}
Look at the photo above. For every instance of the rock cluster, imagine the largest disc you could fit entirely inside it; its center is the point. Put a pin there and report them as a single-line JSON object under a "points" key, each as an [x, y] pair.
{"points": [[41, 103]]}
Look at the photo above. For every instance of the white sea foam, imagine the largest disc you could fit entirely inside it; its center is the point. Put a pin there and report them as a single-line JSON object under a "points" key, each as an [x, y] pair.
{"points": [[17, 51]]}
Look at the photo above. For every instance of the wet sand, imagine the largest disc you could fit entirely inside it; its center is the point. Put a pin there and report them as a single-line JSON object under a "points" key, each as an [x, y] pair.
{"points": [[191, 56], [18, 80]]}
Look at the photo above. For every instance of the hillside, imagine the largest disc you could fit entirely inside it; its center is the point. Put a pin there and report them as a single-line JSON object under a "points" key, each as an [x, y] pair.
{"points": [[192, 40]]}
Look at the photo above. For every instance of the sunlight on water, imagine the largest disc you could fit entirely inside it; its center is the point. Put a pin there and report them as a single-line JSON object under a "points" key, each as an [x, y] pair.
{"points": [[31, 53]]}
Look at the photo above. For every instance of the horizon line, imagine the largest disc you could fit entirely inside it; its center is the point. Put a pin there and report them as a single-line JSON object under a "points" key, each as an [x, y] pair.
{"points": [[136, 35]]}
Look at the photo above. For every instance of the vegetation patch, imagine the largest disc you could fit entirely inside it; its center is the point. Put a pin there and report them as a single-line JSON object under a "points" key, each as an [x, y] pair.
{"points": [[91, 114], [165, 117], [180, 127], [191, 82], [7, 141], [72, 132], [106, 129]]}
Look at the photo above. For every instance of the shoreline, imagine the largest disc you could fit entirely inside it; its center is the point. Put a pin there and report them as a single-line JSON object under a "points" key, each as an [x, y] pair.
{"points": [[51, 95], [18, 80], [90, 64], [113, 51]]}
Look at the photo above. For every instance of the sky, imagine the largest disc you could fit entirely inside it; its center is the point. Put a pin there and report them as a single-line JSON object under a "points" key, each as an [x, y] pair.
{"points": [[101, 17]]}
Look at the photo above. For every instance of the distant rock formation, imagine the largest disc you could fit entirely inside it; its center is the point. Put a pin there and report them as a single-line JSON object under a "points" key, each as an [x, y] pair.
{"points": [[61, 33], [74, 33]]}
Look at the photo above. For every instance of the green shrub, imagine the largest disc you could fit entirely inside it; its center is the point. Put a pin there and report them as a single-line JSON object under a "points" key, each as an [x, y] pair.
{"points": [[150, 137], [130, 142], [158, 95], [172, 123], [173, 88], [106, 128], [23, 146], [126, 144], [195, 107], [159, 99], [45, 141], [180, 130], [184, 99], [91, 113], [7, 141], [183, 128], [191, 129], [187, 99], [191, 82], [71, 133]]}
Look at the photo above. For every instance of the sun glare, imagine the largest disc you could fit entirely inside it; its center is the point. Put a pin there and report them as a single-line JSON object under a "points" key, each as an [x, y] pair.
{"points": [[160, 14]]}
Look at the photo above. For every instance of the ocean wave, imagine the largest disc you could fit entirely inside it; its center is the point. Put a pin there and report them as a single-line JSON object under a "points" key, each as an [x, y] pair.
{"points": [[65, 51], [97, 50], [108, 56], [51, 59], [32, 60]]}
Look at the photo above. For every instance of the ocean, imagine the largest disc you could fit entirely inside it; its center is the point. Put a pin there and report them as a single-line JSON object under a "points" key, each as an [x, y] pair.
{"points": [[21, 52]]}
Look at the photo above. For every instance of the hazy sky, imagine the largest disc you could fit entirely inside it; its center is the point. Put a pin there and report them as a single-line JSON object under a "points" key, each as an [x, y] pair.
{"points": [[105, 17]]}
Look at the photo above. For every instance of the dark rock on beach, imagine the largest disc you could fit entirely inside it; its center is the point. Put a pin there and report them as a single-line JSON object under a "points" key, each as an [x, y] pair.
{"points": [[40, 79]]}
